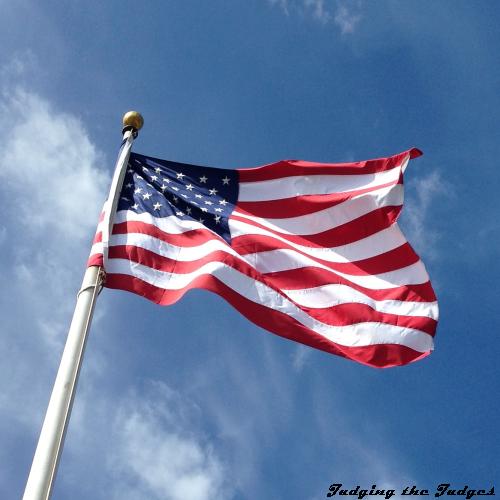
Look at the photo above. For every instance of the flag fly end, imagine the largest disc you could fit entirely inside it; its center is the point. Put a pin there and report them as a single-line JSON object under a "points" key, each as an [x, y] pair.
{"points": [[415, 153]]}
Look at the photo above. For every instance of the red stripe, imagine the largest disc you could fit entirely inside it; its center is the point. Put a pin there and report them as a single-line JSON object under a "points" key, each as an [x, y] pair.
{"points": [[349, 232], [354, 312], [95, 260], [379, 355], [294, 279], [306, 277], [289, 168], [274, 280], [168, 265], [311, 277], [190, 238], [357, 229], [301, 205], [339, 315], [397, 258]]}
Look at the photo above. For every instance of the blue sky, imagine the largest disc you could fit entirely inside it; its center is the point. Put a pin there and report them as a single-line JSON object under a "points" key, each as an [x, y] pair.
{"points": [[193, 401]]}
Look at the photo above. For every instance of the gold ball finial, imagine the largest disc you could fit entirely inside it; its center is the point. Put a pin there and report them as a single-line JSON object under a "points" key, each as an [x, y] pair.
{"points": [[133, 119]]}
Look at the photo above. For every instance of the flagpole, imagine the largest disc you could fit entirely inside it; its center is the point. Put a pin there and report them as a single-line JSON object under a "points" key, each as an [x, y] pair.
{"points": [[51, 440]]}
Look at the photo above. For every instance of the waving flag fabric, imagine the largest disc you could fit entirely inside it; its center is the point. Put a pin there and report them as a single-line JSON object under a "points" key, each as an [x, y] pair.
{"points": [[309, 251]]}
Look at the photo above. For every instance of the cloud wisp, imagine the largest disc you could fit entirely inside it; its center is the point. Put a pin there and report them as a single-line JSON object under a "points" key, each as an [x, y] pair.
{"points": [[345, 16], [159, 454], [422, 193], [52, 184]]}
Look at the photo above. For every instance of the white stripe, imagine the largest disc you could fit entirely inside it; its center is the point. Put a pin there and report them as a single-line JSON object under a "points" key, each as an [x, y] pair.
{"points": [[317, 297], [96, 249], [274, 260], [284, 260], [288, 187], [360, 334], [371, 246], [180, 253], [333, 295], [332, 217], [270, 261], [170, 224]]}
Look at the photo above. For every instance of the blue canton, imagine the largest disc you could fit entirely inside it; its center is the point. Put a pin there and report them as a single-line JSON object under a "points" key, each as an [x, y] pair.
{"points": [[163, 188]]}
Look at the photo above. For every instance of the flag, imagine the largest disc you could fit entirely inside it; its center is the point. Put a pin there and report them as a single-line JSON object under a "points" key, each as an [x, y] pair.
{"points": [[309, 251]]}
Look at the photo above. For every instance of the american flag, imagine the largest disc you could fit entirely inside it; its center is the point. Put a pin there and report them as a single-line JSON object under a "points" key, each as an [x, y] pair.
{"points": [[309, 251]]}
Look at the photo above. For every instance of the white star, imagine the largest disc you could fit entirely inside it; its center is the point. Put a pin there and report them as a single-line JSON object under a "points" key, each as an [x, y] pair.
{"points": [[202, 220], [204, 209], [157, 206], [184, 195], [175, 188], [129, 185], [226, 180], [163, 187], [223, 202], [166, 181], [194, 203], [138, 190], [188, 210], [213, 191], [135, 206], [198, 196], [153, 178], [125, 198], [130, 171], [180, 176], [208, 203], [218, 210], [179, 213], [146, 196], [189, 187], [157, 170], [203, 179], [217, 219], [144, 169], [176, 199]]}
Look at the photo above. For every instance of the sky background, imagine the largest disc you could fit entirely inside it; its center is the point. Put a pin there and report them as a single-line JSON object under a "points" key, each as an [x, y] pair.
{"points": [[192, 401]]}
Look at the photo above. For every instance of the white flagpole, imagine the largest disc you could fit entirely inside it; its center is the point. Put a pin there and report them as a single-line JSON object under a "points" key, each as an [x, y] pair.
{"points": [[51, 440]]}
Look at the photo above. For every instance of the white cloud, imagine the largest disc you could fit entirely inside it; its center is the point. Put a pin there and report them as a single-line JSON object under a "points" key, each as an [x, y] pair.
{"points": [[346, 19], [283, 4], [52, 185], [319, 10], [50, 164], [157, 454], [21, 64], [420, 196], [346, 16], [300, 356]]}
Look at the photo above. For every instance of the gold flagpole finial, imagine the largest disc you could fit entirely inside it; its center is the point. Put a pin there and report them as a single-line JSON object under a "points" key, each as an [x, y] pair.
{"points": [[133, 120]]}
